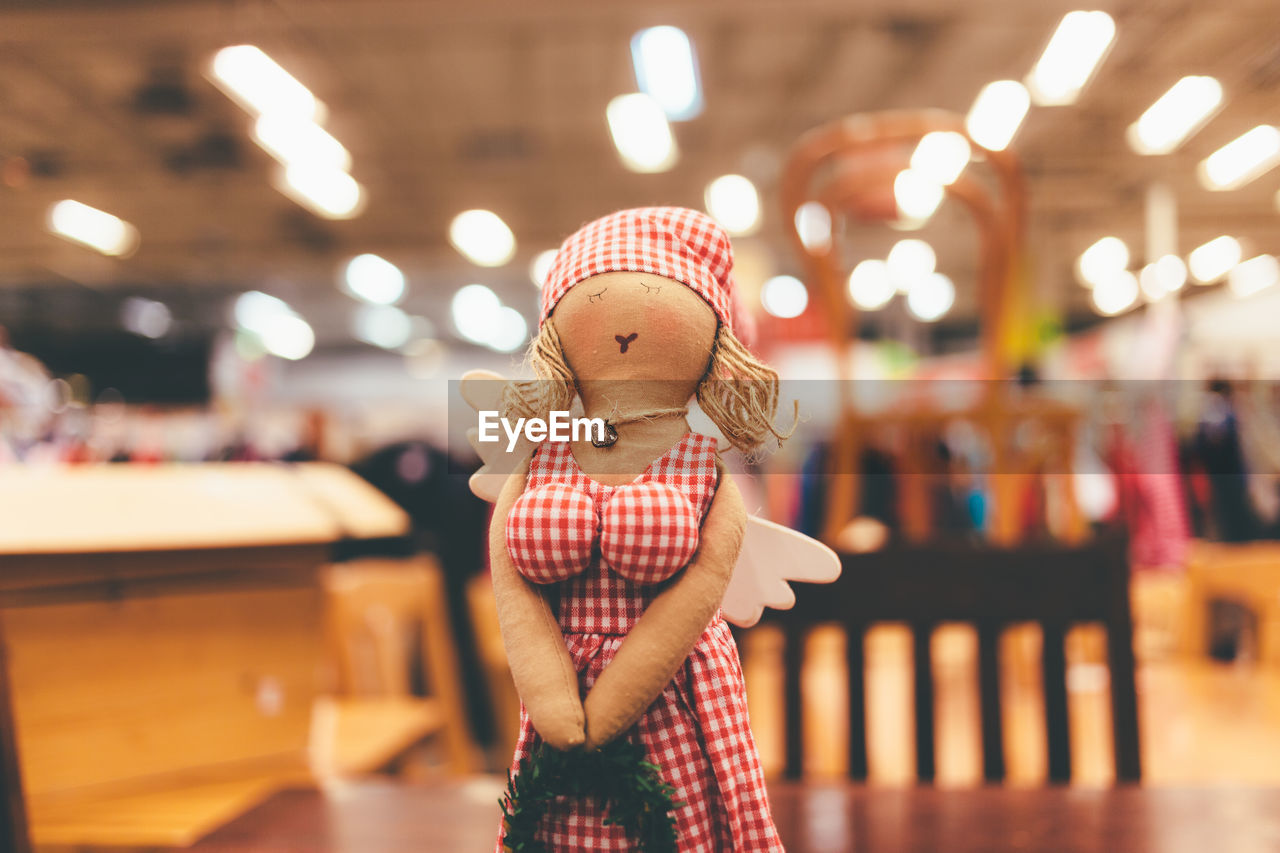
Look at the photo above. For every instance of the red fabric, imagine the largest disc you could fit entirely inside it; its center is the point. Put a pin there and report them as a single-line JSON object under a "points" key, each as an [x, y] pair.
{"points": [[676, 243], [648, 532], [1145, 459], [550, 532], [697, 731]]}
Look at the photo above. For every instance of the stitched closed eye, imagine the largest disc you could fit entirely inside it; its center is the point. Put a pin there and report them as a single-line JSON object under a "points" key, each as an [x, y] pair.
{"points": [[651, 288], [595, 297]]}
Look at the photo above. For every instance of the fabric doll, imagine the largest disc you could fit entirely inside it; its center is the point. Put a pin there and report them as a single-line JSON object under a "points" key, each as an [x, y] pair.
{"points": [[611, 557]]}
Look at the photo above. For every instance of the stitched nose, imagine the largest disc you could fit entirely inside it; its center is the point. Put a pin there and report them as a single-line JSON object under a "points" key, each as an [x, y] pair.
{"points": [[623, 343]]}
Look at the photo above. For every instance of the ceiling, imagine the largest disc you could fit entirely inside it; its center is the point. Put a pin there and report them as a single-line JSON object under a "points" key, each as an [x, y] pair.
{"points": [[448, 106]]}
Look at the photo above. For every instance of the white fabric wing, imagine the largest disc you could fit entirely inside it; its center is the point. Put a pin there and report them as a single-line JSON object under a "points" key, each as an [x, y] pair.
{"points": [[771, 554], [482, 389]]}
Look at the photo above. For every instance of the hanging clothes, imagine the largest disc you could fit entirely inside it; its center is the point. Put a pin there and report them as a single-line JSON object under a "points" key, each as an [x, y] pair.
{"points": [[1219, 453], [1150, 490]]}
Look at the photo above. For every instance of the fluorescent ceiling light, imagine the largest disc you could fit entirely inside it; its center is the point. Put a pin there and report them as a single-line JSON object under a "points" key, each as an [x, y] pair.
{"points": [[871, 285], [931, 297], [509, 332], [288, 336], [374, 279], [1175, 115], [1101, 260], [480, 317], [917, 196], [941, 156], [667, 71], [254, 309], [641, 133], [541, 266], [91, 227], [294, 140], [1115, 292], [1074, 52], [813, 224], [145, 317], [383, 326], [1241, 160], [1249, 277], [1172, 272], [260, 85], [1161, 277], [1211, 261], [997, 114], [732, 201], [475, 311], [909, 261], [784, 296], [330, 193], [482, 238], [277, 326]]}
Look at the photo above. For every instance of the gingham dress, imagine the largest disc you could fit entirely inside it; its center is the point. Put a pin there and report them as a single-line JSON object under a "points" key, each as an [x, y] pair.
{"points": [[697, 730]]}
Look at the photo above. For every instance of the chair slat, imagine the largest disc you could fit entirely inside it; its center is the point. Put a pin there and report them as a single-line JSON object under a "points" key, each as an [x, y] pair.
{"points": [[1120, 662], [855, 655], [1053, 585], [792, 664], [922, 657], [1053, 655], [993, 768]]}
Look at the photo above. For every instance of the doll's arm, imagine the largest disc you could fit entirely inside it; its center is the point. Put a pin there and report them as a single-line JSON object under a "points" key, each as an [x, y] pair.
{"points": [[660, 642], [540, 665]]}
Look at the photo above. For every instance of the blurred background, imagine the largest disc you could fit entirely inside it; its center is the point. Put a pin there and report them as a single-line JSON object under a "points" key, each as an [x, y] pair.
{"points": [[1016, 260]]}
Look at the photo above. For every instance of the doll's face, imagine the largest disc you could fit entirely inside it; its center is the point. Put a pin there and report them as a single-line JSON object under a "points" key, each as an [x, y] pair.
{"points": [[628, 325]]}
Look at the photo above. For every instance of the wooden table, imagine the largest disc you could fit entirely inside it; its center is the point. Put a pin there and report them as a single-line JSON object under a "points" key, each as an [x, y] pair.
{"points": [[160, 634], [385, 818]]}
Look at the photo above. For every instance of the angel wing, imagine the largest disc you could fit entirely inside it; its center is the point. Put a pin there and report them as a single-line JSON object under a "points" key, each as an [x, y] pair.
{"points": [[482, 389], [771, 554]]}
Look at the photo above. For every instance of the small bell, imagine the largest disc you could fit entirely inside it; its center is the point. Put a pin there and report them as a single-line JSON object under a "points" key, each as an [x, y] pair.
{"points": [[610, 437]]}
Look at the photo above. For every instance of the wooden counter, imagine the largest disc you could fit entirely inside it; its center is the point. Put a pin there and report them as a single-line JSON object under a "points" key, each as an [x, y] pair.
{"points": [[162, 632]]}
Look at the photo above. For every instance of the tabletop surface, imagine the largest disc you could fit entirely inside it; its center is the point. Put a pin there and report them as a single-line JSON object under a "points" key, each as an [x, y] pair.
{"points": [[93, 509], [380, 817]]}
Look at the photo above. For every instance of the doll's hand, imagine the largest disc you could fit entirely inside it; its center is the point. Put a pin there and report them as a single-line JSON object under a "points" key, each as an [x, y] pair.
{"points": [[562, 732]]}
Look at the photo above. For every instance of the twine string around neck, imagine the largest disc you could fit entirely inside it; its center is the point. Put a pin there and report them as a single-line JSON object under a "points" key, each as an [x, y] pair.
{"points": [[616, 420]]}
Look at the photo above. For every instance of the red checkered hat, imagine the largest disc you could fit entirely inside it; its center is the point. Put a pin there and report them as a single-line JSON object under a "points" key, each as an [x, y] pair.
{"points": [[676, 243]]}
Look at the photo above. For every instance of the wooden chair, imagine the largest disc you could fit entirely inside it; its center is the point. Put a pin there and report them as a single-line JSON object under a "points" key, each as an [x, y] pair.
{"points": [[388, 622], [991, 588], [1247, 573]]}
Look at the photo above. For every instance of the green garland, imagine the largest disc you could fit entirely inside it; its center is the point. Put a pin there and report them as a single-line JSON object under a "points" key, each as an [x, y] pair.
{"points": [[617, 774]]}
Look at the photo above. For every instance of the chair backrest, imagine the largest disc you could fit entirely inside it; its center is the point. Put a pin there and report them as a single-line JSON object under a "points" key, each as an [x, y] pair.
{"points": [[388, 622], [1055, 586]]}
